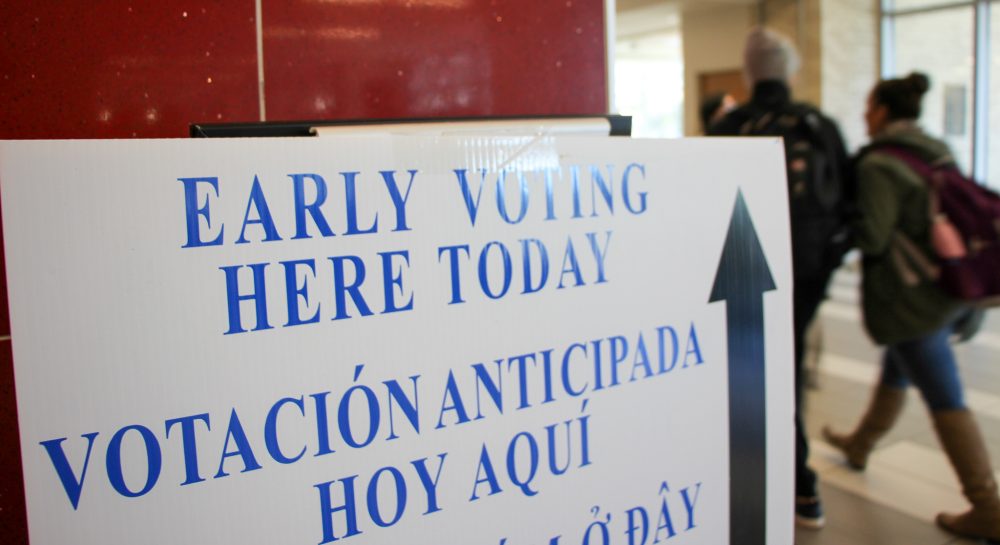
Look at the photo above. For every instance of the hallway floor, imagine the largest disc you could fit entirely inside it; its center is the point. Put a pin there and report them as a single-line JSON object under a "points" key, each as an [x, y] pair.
{"points": [[908, 479]]}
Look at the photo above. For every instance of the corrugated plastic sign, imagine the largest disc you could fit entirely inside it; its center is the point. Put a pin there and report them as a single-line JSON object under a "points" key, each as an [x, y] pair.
{"points": [[401, 340]]}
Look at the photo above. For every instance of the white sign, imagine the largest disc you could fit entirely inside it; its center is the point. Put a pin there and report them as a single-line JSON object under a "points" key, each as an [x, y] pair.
{"points": [[401, 340]]}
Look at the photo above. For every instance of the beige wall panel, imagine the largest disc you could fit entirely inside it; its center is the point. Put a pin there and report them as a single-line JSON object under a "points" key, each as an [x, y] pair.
{"points": [[849, 63], [713, 41], [799, 20]]}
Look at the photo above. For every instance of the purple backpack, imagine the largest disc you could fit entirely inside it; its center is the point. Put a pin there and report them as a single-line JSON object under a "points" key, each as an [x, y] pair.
{"points": [[964, 232]]}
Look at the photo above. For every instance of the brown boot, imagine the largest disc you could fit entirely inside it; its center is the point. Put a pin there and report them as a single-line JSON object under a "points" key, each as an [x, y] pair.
{"points": [[964, 445], [884, 408]]}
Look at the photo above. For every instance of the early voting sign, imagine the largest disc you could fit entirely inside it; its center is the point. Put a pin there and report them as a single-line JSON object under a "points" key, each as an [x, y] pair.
{"points": [[371, 340]]}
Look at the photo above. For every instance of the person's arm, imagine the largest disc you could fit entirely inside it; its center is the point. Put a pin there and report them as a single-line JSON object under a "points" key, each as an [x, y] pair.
{"points": [[878, 207], [727, 126], [845, 166]]}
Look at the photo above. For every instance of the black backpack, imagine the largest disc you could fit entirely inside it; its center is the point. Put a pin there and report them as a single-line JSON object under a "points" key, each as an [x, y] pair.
{"points": [[820, 194]]}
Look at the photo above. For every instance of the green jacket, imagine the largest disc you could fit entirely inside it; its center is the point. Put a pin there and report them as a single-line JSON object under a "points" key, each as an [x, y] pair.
{"points": [[892, 198]]}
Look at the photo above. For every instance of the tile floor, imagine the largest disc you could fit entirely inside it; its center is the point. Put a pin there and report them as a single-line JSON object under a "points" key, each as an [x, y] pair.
{"points": [[908, 479]]}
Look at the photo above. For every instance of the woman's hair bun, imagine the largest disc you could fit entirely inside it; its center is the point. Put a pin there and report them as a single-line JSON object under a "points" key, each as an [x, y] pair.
{"points": [[902, 96], [919, 82]]}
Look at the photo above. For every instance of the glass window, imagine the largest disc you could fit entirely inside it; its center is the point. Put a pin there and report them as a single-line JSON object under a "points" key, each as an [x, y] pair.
{"points": [[993, 155], [649, 84], [941, 45], [902, 5]]}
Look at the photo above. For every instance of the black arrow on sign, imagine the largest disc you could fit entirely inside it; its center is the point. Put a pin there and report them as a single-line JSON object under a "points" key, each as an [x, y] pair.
{"points": [[741, 280]]}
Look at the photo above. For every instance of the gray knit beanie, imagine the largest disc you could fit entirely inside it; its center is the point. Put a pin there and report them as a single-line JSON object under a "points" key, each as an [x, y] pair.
{"points": [[769, 56]]}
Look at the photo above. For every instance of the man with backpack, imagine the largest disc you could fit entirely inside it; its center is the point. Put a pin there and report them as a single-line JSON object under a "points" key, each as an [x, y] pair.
{"points": [[819, 190]]}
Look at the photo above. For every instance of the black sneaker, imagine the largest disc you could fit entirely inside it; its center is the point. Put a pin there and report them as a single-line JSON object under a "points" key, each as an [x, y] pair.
{"points": [[809, 512]]}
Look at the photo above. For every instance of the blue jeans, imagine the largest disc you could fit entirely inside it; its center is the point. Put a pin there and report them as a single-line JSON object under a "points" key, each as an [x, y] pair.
{"points": [[929, 363]]}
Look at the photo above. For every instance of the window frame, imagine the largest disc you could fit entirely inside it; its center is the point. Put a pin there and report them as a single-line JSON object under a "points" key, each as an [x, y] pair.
{"points": [[981, 67]]}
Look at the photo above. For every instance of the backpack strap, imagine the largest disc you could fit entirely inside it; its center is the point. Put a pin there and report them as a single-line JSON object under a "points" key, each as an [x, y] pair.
{"points": [[916, 163], [928, 172], [911, 262], [758, 120]]}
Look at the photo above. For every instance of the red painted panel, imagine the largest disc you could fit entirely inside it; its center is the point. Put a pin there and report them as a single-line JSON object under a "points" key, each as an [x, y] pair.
{"points": [[433, 58], [118, 69], [13, 523]]}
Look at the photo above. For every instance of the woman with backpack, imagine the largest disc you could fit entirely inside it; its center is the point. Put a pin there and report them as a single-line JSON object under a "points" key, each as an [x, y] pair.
{"points": [[908, 314]]}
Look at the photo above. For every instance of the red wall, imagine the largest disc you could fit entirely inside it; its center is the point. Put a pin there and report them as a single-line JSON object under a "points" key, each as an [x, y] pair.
{"points": [[123, 69]]}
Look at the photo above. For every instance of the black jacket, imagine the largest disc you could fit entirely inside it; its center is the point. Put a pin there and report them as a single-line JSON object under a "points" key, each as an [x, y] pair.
{"points": [[775, 96], [819, 218]]}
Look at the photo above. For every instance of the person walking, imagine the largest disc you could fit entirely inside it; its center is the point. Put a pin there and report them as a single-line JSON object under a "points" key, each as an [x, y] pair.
{"points": [[818, 170], [909, 315]]}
